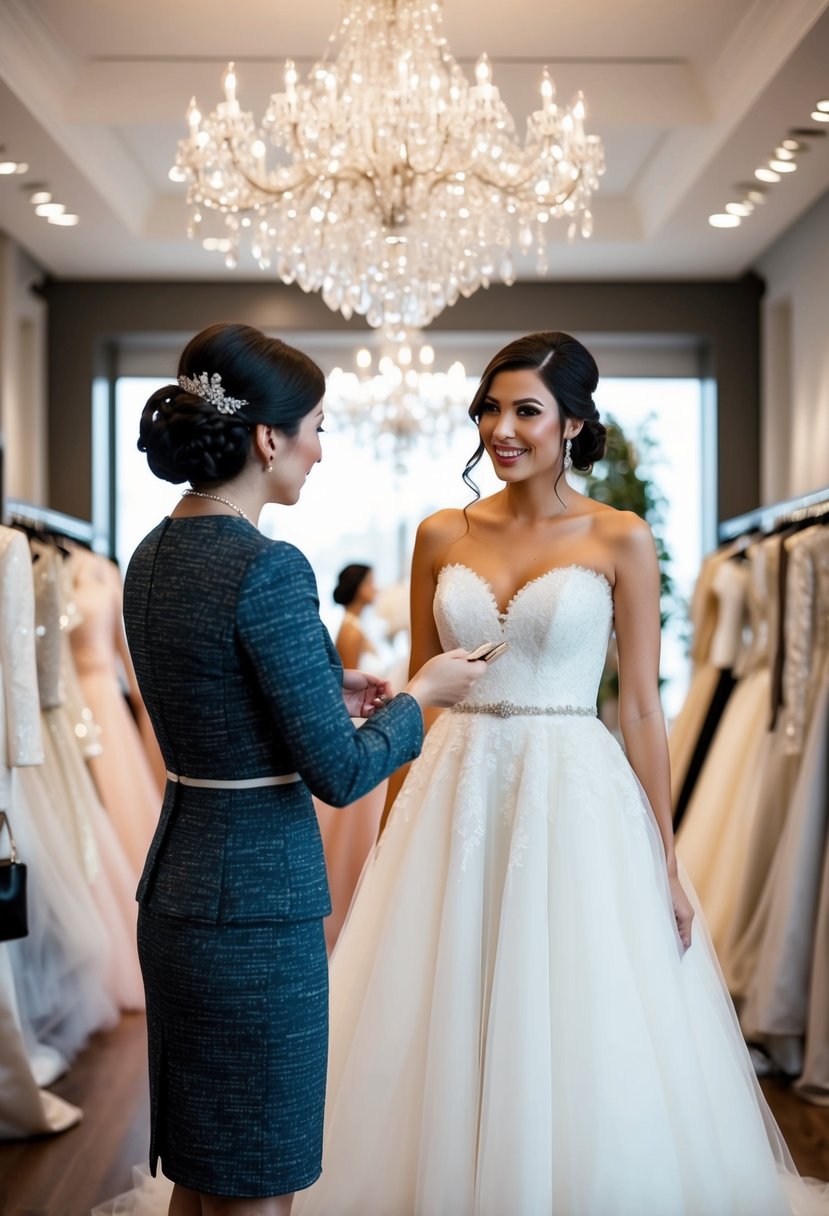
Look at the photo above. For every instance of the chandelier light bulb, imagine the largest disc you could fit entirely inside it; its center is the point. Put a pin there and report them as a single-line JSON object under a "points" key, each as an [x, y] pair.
{"points": [[427, 355], [398, 184], [483, 70], [363, 358], [229, 82], [724, 220]]}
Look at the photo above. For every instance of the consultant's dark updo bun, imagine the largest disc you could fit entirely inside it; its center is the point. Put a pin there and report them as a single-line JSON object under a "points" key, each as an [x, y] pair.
{"points": [[187, 439], [348, 583], [569, 372], [248, 378]]}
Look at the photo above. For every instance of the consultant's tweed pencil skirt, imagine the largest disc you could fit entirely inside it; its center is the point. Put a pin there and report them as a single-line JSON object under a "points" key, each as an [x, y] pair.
{"points": [[237, 1020]]}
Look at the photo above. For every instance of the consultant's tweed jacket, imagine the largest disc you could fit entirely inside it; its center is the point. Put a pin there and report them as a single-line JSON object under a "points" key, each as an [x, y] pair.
{"points": [[241, 679]]}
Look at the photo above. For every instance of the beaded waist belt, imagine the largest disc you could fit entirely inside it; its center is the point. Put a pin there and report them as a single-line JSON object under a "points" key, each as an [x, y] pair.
{"points": [[508, 709], [246, 783]]}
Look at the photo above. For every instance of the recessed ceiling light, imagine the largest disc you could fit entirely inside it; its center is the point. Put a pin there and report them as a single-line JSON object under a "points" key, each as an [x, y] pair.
{"points": [[793, 145], [65, 220], [820, 115], [742, 209], [7, 167], [40, 196], [823, 106], [766, 175], [47, 209], [782, 166], [724, 220], [784, 153]]}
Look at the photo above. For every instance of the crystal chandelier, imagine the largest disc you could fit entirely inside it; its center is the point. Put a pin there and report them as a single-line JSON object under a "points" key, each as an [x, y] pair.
{"points": [[400, 400], [388, 181]]}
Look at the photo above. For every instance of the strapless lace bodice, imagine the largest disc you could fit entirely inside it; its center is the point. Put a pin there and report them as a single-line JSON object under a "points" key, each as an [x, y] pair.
{"points": [[557, 627]]}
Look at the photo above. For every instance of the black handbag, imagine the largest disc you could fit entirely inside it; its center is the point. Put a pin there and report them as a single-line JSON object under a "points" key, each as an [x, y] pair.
{"points": [[13, 918]]}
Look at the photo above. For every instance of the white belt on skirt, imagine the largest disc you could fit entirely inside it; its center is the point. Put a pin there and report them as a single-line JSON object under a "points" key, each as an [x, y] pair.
{"points": [[246, 783]]}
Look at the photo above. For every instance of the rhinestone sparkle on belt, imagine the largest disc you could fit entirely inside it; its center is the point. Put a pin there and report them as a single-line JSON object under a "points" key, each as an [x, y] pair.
{"points": [[508, 709]]}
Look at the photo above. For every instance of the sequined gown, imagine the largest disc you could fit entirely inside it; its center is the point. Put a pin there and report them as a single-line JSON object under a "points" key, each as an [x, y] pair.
{"points": [[514, 1026]]}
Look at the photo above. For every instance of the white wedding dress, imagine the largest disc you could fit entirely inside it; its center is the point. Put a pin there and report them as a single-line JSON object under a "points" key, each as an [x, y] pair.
{"points": [[515, 1030]]}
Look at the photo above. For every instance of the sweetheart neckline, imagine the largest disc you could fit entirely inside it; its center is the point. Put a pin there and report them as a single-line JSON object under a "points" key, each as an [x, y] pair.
{"points": [[602, 579]]}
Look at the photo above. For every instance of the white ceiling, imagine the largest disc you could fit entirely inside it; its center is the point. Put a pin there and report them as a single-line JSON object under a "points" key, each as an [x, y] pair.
{"points": [[688, 98]]}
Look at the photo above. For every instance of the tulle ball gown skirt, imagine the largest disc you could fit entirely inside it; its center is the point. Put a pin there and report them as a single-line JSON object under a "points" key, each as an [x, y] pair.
{"points": [[515, 1029]]}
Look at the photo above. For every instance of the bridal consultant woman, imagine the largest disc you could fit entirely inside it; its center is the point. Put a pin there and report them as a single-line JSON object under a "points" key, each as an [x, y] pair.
{"points": [[251, 707]]}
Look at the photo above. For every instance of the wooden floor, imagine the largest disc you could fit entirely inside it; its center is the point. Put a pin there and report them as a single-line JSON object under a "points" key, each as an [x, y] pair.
{"points": [[67, 1175]]}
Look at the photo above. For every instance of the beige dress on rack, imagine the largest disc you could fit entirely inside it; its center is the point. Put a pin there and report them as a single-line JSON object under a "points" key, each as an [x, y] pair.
{"points": [[70, 790], [768, 793], [687, 725], [782, 1002], [711, 841], [25, 1108]]}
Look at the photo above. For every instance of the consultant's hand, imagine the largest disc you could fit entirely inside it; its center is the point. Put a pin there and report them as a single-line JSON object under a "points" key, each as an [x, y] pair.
{"points": [[445, 679], [363, 694], [683, 909]]}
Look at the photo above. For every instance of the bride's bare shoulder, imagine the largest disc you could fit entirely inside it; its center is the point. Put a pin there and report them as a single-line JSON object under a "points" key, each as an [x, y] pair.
{"points": [[443, 527]]}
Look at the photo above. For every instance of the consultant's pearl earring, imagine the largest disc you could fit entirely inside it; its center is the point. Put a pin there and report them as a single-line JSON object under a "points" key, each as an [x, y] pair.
{"points": [[568, 455]]}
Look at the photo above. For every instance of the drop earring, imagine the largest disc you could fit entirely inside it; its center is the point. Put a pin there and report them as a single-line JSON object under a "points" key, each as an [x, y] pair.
{"points": [[568, 455]]}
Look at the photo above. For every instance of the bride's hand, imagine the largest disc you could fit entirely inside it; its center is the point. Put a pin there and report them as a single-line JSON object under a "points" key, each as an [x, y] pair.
{"points": [[362, 693], [683, 909]]}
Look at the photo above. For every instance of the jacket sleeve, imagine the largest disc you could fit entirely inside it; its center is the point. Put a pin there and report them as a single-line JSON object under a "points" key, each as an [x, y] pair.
{"points": [[280, 631]]}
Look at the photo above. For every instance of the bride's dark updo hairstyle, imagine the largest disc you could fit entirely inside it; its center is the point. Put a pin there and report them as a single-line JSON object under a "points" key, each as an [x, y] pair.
{"points": [[187, 438], [570, 374]]}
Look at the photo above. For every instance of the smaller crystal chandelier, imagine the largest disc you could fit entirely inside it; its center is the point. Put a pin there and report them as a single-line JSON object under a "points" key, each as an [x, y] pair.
{"points": [[394, 185], [401, 400]]}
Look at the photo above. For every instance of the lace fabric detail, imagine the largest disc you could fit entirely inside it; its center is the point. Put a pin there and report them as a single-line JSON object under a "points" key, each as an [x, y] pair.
{"points": [[806, 628], [557, 625], [20, 734]]}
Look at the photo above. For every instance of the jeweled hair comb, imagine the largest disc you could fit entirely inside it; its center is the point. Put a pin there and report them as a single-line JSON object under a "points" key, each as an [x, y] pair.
{"points": [[209, 388]]}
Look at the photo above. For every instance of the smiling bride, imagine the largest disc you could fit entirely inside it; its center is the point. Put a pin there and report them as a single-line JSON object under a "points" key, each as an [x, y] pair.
{"points": [[526, 1016]]}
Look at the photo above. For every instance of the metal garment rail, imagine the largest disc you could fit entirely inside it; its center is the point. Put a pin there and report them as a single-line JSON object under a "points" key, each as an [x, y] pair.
{"points": [[766, 519]]}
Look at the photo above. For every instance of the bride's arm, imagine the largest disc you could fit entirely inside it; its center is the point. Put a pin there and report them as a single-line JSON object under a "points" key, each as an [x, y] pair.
{"points": [[430, 543], [636, 606]]}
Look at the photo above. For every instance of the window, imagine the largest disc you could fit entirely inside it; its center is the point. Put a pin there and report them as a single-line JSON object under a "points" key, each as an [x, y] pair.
{"points": [[353, 510]]}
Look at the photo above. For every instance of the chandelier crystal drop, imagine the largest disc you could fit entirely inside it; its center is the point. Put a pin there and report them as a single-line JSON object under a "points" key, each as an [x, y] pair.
{"points": [[387, 181]]}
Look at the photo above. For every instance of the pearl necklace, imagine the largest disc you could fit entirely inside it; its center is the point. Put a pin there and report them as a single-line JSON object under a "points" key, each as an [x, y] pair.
{"points": [[218, 498]]}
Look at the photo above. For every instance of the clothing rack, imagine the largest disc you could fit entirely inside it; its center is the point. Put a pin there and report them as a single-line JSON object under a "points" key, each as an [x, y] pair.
{"points": [[47, 520], [766, 519]]}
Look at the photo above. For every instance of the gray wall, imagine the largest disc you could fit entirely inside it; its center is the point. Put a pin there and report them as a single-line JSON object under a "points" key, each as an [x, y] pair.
{"points": [[89, 320]]}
